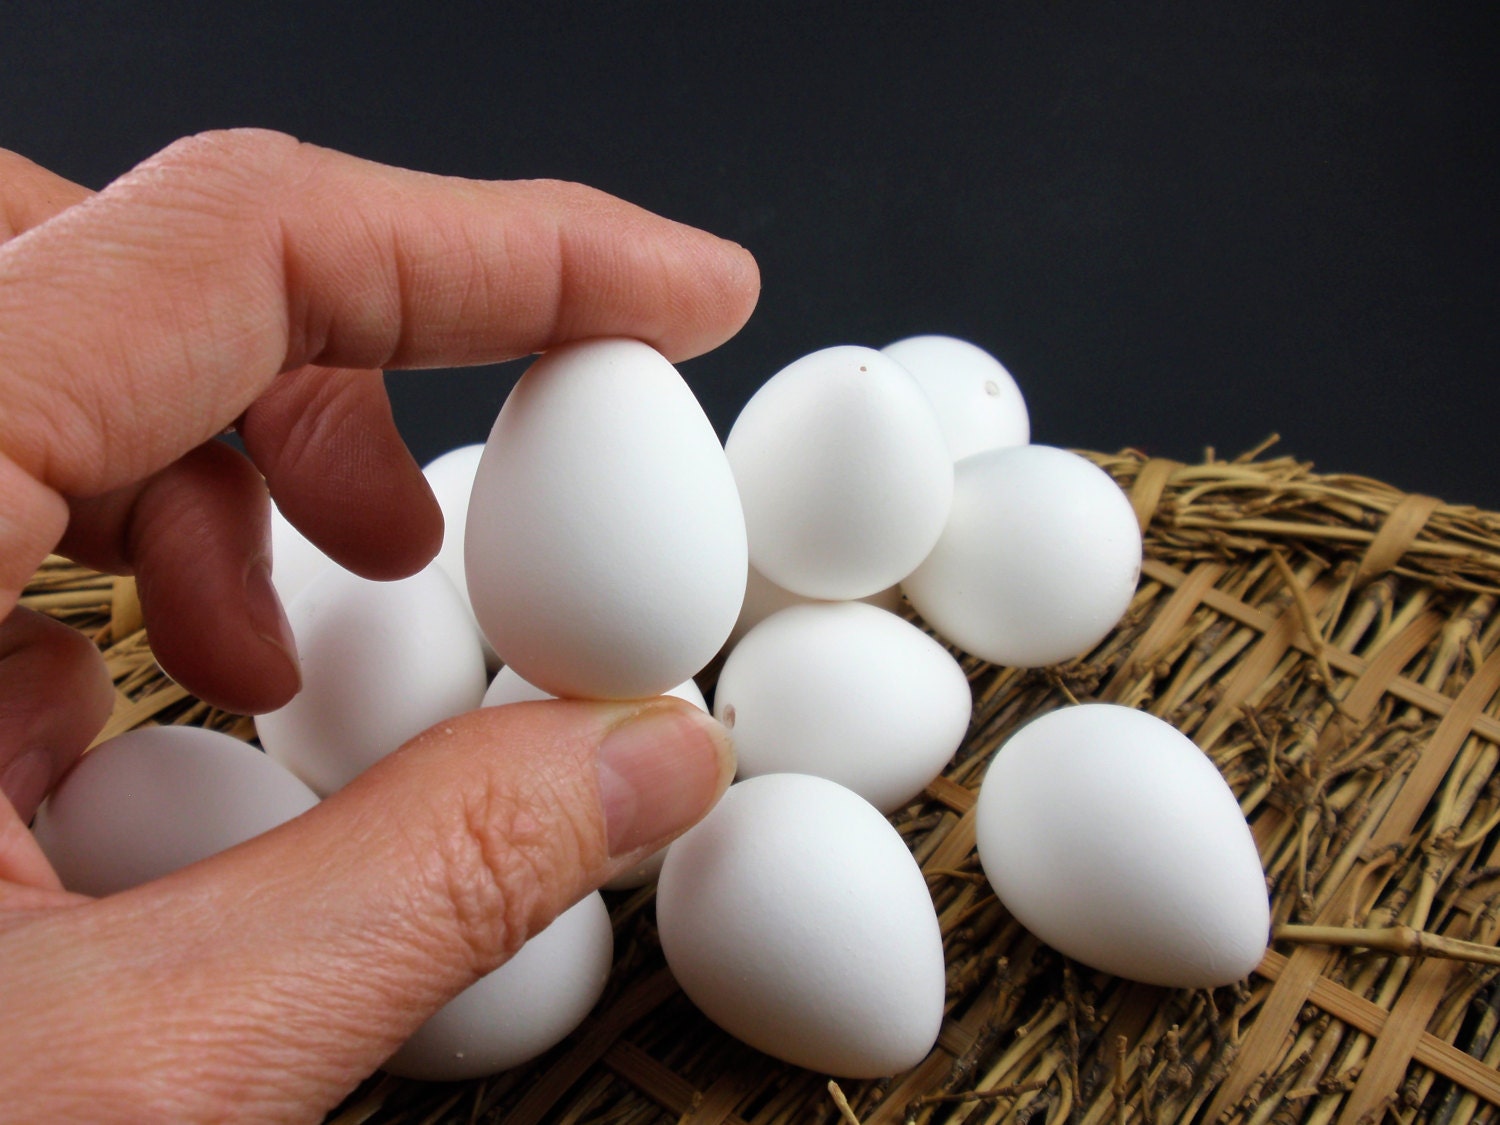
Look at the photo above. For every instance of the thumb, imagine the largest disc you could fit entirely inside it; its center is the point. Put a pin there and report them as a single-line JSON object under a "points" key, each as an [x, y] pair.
{"points": [[275, 976]]}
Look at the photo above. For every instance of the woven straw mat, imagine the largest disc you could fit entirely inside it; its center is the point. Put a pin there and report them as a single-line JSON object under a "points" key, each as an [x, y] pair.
{"points": [[1331, 644]]}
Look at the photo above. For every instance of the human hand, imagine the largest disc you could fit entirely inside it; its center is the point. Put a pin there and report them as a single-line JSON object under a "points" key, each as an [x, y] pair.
{"points": [[241, 278]]}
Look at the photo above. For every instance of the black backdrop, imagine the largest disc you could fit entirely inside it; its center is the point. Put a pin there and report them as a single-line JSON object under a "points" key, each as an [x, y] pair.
{"points": [[1178, 225]]}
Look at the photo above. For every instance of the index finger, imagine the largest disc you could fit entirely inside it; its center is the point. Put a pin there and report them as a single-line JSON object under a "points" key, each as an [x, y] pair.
{"points": [[138, 324]]}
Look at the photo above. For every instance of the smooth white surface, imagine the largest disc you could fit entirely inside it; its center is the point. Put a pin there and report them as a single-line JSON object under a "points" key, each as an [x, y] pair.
{"points": [[295, 562], [150, 801], [844, 474], [976, 401], [796, 919], [605, 545], [1038, 562], [1113, 838], [763, 598], [451, 478], [528, 1005], [381, 662], [848, 692], [509, 687]]}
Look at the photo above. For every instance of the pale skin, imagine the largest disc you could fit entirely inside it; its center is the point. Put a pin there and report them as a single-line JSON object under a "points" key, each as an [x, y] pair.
{"points": [[245, 279]]}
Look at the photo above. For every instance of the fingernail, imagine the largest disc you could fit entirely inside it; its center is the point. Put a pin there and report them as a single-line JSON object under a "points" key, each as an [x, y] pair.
{"points": [[266, 615], [660, 771], [25, 780]]}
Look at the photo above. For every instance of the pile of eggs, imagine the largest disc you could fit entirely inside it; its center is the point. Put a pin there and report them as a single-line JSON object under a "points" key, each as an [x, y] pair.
{"points": [[603, 544]]}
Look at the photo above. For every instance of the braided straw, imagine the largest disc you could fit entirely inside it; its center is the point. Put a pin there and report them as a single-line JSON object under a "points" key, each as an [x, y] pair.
{"points": [[1331, 644]]}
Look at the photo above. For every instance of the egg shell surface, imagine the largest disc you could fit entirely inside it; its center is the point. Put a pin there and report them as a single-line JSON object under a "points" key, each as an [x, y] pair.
{"points": [[1114, 839], [605, 546], [295, 560], [152, 800], [796, 919], [975, 398], [844, 474], [381, 662], [451, 478], [1038, 562], [523, 1008], [763, 598], [509, 687], [848, 692]]}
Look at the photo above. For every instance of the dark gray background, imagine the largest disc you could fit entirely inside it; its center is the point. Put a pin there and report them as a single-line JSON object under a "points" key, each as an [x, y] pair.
{"points": [[1178, 225]]}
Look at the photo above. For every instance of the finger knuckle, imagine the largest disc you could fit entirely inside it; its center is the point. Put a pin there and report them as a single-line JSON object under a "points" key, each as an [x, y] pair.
{"points": [[226, 149], [235, 174], [508, 863]]}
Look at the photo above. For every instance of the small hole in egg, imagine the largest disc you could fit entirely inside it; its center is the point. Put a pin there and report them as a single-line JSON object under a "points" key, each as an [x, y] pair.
{"points": [[991, 388], [729, 715]]}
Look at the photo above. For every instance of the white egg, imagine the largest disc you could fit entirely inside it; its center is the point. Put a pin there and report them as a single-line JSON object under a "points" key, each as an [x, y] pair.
{"points": [[381, 662], [844, 474], [1113, 838], [295, 561], [451, 478], [509, 687], [145, 803], [796, 919], [605, 546], [763, 598], [976, 401], [1038, 562], [525, 1007], [848, 692]]}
